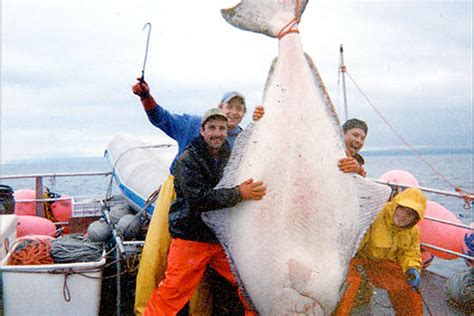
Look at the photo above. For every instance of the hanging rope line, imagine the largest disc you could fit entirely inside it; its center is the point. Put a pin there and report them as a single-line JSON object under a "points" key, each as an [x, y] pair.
{"points": [[467, 196]]}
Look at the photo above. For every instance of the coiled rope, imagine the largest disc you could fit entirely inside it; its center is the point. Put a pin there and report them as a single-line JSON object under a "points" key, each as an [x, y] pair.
{"points": [[75, 248], [31, 251]]}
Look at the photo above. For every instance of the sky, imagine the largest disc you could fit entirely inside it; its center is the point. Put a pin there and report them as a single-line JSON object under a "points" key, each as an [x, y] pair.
{"points": [[68, 68]]}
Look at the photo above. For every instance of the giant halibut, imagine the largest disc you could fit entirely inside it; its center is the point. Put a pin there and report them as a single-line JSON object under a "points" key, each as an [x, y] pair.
{"points": [[290, 251]]}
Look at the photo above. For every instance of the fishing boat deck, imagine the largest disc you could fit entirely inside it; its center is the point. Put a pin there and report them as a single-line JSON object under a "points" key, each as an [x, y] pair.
{"points": [[434, 299]]}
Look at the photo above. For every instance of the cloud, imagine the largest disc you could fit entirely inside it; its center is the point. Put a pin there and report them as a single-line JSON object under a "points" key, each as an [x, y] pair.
{"points": [[68, 68]]}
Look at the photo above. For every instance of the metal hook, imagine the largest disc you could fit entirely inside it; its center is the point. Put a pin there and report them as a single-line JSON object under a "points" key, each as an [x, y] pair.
{"points": [[148, 24]]}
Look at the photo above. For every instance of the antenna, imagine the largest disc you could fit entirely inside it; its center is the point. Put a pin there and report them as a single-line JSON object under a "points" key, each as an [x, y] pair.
{"points": [[342, 69]]}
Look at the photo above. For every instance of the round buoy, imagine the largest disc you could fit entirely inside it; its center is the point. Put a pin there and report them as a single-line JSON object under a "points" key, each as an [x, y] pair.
{"points": [[130, 226], [117, 212], [99, 231], [399, 176], [62, 208], [34, 225], [23, 207], [439, 234]]}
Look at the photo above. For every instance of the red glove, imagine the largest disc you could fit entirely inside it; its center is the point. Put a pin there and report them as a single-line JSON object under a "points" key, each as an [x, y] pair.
{"points": [[141, 89], [350, 164], [250, 190], [258, 113]]}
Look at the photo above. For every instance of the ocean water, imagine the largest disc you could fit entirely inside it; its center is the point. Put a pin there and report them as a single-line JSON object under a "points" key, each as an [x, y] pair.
{"points": [[73, 186], [457, 167]]}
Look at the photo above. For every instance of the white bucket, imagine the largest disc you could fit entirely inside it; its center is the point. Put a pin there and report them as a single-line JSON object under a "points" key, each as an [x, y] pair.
{"points": [[53, 289], [8, 223]]}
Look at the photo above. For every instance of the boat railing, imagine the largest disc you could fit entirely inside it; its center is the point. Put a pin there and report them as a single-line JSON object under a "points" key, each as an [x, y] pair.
{"points": [[467, 198], [40, 199], [39, 187]]}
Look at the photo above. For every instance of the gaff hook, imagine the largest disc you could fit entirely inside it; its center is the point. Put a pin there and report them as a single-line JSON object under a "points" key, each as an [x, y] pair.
{"points": [[142, 79]]}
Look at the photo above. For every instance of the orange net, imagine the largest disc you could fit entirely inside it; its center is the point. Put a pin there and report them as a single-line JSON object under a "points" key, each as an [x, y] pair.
{"points": [[32, 251]]}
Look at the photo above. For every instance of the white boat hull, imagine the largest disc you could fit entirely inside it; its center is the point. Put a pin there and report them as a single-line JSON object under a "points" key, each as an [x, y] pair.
{"points": [[138, 169]]}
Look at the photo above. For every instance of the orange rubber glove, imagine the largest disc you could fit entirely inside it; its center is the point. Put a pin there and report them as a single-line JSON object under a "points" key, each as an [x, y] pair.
{"points": [[258, 113], [350, 164], [250, 190]]}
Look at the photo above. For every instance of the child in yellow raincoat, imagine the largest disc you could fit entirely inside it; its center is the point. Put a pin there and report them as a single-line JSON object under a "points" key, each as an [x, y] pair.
{"points": [[390, 255]]}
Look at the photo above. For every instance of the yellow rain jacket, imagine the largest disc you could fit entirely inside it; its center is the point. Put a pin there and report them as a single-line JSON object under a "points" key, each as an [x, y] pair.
{"points": [[386, 241]]}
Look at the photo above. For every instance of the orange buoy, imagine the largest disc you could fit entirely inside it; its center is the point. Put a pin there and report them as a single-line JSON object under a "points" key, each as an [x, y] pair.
{"points": [[34, 225], [399, 176], [62, 210], [439, 234], [25, 207]]}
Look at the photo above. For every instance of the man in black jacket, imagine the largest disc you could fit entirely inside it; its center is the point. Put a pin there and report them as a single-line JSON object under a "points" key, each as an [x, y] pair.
{"points": [[194, 246]]}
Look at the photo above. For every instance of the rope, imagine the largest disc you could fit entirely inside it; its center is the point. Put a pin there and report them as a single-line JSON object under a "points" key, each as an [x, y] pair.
{"points": [[66, 290], [460, 290], [75, 248], [292, 26], [31, 251], [466, 195]]}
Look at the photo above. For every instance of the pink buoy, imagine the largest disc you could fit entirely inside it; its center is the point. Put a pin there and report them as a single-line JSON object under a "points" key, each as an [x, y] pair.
{"points": [[439, 234], [399, 176], [34, 225], [62, 208], [24, 202]]}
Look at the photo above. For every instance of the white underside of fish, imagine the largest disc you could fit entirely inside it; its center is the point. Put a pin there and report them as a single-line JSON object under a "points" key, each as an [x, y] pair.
{"points": [[291, 250]]}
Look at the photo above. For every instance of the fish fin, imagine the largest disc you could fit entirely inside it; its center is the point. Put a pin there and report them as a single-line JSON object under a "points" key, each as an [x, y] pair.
{"points": [[240, 147], [229, 179], [260, 16], [269, 78], [372, 198], [329, 105]]}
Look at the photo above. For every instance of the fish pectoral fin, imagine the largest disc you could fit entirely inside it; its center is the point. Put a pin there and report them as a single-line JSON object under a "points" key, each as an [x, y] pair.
{"points": [[239, 150], [372, 198]]}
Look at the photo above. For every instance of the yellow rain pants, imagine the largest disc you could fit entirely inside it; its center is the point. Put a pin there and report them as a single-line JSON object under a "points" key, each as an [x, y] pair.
{"points": [[155, 253]]}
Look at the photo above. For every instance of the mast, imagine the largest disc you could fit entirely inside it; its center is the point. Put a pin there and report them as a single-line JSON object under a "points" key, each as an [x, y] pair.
{"points": [[342, 69]]}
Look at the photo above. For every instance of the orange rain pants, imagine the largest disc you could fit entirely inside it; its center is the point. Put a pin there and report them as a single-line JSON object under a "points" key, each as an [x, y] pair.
{"points": [[383, 274], [187, 262]]}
